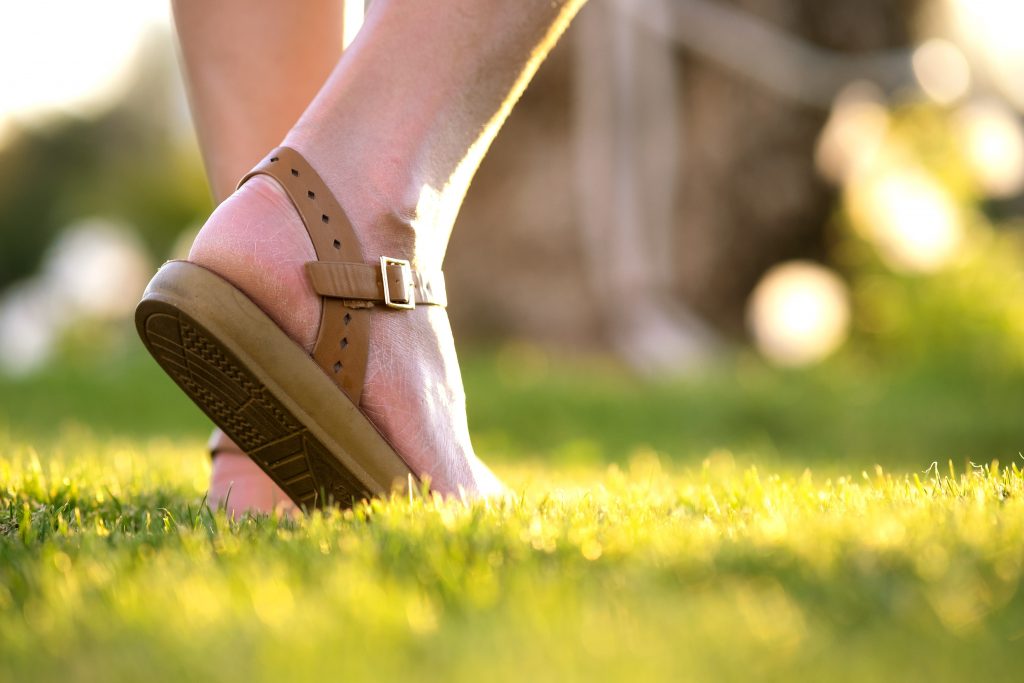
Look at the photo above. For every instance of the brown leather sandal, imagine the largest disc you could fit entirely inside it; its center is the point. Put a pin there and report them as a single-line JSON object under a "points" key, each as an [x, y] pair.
{"points": [[296, 415]]}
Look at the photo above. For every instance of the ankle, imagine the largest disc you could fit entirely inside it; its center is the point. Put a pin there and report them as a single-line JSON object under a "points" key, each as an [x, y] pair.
{"points": [[392, 213]]}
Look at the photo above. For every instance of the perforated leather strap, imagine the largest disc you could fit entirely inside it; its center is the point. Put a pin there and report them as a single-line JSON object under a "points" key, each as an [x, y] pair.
{"points": [[347, 284], [362, 282]]}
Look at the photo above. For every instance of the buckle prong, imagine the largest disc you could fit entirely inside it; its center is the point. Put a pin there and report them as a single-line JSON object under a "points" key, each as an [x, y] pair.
{"points": [[410, 291]]}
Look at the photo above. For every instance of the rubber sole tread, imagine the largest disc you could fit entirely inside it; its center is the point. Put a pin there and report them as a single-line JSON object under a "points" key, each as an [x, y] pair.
{"points": [[246, 410]]}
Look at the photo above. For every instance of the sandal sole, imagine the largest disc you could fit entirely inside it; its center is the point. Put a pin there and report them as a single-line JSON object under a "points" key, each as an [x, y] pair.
{"points": [[264, 390]]}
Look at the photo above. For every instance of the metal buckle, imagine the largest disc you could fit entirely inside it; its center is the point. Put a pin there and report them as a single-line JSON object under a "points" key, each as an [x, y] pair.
{"points": [[410, 291]]}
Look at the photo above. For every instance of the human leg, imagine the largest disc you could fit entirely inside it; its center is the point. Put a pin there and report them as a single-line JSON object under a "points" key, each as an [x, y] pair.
{"points": [[251, 69], [397, 133]]}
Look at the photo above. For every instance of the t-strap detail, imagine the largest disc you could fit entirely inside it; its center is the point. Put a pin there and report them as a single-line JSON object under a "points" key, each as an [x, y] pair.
{"points": [[349, 286]]}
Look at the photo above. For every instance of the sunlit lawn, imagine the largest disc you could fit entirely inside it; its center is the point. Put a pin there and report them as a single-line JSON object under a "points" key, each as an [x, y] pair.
{"points": [[734, 528]]}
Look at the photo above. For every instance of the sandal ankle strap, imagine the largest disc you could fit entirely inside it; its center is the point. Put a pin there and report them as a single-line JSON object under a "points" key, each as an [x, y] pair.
{"points": [[349, 286], [393, 283]]}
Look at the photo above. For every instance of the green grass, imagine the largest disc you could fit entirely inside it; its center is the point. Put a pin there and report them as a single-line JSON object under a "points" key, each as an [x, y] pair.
{"points": [[111, 569], [731, 528]]}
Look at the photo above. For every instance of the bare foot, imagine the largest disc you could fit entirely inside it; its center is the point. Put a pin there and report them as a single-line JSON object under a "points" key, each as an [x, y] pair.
{"points": [[413, 392], [239, 486]]}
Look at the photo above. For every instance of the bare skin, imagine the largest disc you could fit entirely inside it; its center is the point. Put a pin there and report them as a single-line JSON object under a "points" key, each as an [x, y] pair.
{"points": [[244, 99], [397, 133]]}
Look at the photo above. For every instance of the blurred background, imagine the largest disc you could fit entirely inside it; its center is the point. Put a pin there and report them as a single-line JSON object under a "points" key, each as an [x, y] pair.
{"points": [[788, 228]]}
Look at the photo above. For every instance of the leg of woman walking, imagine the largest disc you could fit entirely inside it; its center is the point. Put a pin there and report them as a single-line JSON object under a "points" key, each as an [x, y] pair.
{"points": [[251, 69], [396, 133]]}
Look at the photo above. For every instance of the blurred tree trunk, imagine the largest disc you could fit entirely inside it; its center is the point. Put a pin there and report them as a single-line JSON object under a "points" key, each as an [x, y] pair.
{"points": [[748, 193]]}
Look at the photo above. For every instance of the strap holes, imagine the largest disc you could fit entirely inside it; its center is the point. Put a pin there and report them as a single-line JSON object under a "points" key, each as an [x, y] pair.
{"points": [[311, 194], [273, 160], [295, 173], [324, 218], [337, 367], [344, 342], [347, 319], [337, 244]]}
